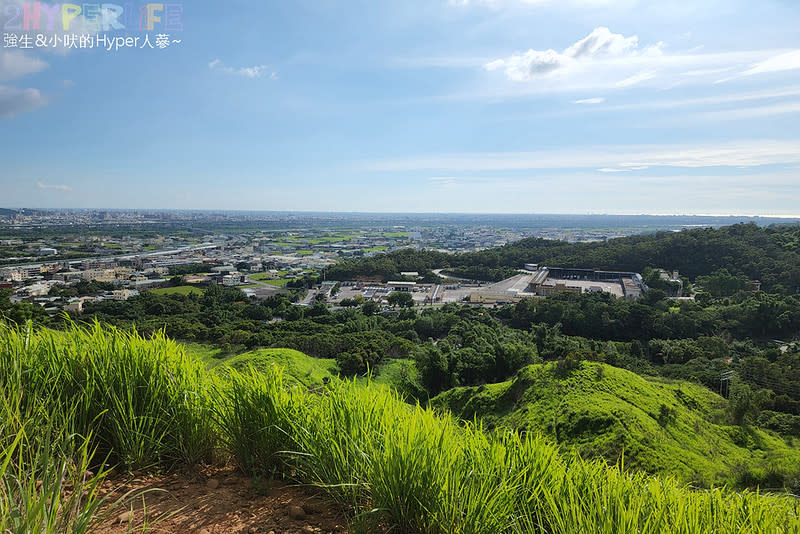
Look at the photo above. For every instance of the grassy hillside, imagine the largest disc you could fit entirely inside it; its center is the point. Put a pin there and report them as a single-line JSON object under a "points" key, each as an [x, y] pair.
{"points": [[297, 367], [143, 404], [659, 426]]}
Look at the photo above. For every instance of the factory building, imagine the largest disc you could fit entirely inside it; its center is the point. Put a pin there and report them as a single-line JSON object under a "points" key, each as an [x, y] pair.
{"points": [[548, 281]]}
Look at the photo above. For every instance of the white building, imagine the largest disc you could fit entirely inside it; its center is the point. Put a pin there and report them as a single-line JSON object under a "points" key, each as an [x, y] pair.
{"points": [[123, 294]]}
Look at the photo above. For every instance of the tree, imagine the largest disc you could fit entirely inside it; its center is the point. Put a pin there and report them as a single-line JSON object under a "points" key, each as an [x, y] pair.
{"points": [[433, 369], [370, 307], [350, 363], [744, 403], [403, 299], [544, 336], [721, 283]]}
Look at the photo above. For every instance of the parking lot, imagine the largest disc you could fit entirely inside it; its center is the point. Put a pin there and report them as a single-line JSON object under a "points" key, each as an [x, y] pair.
{"points": [[422, 294]]}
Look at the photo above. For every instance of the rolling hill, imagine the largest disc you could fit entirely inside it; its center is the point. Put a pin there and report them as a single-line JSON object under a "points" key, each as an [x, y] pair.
{"points": [[298, 367], [665, 427]]}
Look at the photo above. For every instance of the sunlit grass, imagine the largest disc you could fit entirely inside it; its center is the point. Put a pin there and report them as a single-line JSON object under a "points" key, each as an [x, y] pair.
{"points": [[106, 394], [144, 401], [178, 290]]}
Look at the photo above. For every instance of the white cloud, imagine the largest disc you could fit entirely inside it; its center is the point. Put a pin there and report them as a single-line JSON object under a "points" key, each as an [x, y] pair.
{"points": [[650, 105], [16, 63], [40, 185], [14, 101], [597, 100], [706, 72], [256, 71], [607, 60], [753, 112], [733, 154], [531, 64], [756, 193], [782, 62], [601, 44], [635, 167], [636, 79]]}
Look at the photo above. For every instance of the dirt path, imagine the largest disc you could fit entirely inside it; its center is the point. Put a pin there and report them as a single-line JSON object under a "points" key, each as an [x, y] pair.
{"points": [[217, 501]]}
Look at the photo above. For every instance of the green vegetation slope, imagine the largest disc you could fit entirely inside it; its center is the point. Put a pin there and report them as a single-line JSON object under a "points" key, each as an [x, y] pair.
{"points": [[659, 426], [298, 367], [143, 404]]}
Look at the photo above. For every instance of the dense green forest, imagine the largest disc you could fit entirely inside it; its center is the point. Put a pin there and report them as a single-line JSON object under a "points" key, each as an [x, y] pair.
{"points": [[769, 254]]}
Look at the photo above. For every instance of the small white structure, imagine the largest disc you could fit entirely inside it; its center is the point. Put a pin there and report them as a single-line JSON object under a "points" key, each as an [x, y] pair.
{"points": [[123, 294]]}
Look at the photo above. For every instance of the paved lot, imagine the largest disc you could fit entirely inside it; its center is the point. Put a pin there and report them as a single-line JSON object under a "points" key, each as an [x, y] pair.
{"points": [[615, 288], [419, 295]]}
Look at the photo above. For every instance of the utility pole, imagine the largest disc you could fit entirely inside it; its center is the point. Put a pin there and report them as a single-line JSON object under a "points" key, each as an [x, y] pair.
{"points": [[725, 383]]}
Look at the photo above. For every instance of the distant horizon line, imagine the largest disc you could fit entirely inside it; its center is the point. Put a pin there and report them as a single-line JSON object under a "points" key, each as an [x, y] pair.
{"points": [[350, 212]]}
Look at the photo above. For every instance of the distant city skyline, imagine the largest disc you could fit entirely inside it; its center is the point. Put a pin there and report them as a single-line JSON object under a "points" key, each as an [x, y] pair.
{"points": [[420, 213], [423, 106]]}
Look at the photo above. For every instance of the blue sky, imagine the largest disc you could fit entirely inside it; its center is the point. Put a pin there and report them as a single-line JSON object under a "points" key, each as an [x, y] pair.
{"points": [[494, 106]]}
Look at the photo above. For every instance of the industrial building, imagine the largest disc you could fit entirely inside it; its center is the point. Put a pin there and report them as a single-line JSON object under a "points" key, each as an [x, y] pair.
{"points": [[547, 281]]}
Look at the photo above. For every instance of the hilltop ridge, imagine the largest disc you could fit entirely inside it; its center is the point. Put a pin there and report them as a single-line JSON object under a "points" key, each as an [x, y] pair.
{"points": [[656, 425]]}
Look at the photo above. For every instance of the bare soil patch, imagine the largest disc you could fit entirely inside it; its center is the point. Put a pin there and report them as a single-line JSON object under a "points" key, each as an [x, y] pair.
{"points": [[216, 501]]}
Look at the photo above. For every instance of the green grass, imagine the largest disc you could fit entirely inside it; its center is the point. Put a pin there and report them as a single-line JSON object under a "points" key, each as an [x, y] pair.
{"points": [[39, 459], [384, 462], [304, 252], [297, 367], [208, 354], [393, 372], [376, 249], [323, 240], [178, 290], [395, 234], [141, 400], [261, 276], [660, 427], [300, 368], [277, 283]]}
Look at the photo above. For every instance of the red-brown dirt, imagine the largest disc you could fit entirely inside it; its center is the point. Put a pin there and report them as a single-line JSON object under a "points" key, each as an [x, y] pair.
{"points": [[217, 501]]}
